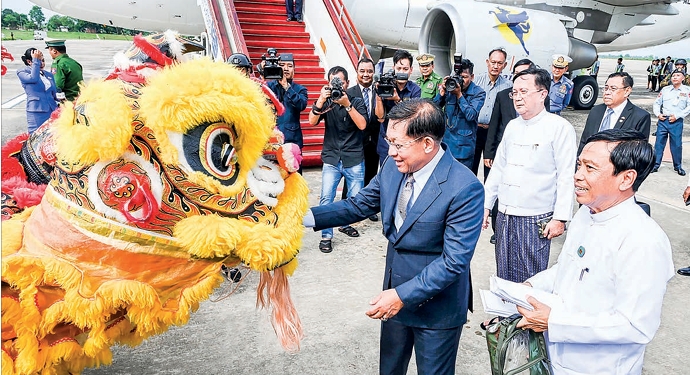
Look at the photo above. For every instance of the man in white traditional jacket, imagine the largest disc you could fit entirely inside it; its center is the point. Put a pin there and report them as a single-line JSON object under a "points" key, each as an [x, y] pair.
{"points": [[613, 269]]}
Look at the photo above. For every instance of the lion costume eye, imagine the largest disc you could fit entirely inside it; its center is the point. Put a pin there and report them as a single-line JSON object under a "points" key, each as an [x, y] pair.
{"points": [[210, 148]]}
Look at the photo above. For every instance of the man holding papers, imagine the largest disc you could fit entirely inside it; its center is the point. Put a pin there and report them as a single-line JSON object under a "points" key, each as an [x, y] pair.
{"points": [[613, 269]]}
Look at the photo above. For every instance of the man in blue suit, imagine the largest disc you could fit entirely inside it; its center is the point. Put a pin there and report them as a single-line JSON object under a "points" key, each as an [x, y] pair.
{"points": [[431, 209]]}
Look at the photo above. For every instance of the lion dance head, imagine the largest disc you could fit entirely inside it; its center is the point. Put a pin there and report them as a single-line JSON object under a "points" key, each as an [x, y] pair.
{"points": [[153, 185]]}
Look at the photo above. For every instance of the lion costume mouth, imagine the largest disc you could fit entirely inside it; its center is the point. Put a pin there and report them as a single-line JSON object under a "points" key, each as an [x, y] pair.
{"points": [[154, 186]]}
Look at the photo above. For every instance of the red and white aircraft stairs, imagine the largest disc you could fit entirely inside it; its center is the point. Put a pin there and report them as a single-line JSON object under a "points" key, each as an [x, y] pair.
{"points": [[326, 37]]}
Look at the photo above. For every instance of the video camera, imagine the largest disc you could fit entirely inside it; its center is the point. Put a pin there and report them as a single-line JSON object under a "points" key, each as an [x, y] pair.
{"points": [[272, 68], [387, 83], [455, 80]]}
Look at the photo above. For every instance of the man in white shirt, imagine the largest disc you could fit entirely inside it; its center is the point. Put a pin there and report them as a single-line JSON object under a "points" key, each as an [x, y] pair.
{"points": [[613, 270], [532, 178]]}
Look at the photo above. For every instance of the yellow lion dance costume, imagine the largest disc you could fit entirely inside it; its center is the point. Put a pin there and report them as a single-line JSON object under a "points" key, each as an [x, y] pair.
{"points": [[154, 187]]}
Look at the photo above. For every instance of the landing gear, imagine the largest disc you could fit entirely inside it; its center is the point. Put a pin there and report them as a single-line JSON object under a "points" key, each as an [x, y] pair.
{"points": [[585, 92]]}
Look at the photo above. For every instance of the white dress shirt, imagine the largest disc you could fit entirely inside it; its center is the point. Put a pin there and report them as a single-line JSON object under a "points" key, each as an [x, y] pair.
{"points": [[533, 169], [612, 275], [420, 179]]}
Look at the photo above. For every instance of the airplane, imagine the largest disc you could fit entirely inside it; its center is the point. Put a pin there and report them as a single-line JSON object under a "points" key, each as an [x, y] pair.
{"points": [[534, 29]]}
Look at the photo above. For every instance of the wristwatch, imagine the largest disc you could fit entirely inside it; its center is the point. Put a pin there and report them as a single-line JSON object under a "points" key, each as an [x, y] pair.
{"points": [[348, 108]]}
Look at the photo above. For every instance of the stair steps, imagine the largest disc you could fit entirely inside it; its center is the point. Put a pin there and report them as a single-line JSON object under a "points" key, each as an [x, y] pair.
{"points": [[264, 25]]}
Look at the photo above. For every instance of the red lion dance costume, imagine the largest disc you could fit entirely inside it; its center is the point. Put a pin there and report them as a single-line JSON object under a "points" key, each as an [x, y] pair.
{"points": [[153, 183]]}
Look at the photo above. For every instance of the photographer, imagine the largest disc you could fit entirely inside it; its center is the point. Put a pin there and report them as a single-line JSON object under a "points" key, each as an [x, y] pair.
{"points": [[342, 154], [293, 96], [461, 100], [404, 90]]}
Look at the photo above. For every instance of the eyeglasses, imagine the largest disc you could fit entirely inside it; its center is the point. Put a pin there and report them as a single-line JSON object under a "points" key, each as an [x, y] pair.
{"points": [[521, 93], [399, 146], [614, 88]]}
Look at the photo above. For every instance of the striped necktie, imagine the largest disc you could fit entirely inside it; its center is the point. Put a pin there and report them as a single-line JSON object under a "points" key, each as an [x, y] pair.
{"points": [[405, 196], [365, 96]]}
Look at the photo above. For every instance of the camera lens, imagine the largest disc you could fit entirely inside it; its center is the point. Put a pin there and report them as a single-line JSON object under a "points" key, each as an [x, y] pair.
{"points": [[451, 84]]}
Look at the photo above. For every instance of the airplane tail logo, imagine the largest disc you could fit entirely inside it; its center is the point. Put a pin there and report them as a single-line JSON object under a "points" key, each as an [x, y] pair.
{"points": [[513, 25]]}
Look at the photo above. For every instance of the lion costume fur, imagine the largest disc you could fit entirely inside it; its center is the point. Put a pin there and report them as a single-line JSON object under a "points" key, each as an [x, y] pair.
{"points": [[154, 186]]}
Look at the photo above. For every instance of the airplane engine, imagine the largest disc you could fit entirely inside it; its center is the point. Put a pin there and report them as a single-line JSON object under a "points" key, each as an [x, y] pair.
{"points": [[474, 29]]}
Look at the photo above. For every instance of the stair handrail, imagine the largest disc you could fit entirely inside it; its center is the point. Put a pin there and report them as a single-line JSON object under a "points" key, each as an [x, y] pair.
{"points": [[238, 43], [221, 21], [352, 41]]}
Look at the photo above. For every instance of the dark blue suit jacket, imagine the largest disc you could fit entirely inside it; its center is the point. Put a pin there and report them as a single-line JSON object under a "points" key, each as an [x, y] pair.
{"points": [[37, 98], [428, 259]]}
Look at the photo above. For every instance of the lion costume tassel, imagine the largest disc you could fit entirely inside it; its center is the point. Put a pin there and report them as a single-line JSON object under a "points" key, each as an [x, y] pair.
{"points": [[152, 188]]}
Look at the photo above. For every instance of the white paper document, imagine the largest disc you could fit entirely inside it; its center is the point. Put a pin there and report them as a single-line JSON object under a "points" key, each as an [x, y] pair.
{"points": [[504, 295], [494, 305]]}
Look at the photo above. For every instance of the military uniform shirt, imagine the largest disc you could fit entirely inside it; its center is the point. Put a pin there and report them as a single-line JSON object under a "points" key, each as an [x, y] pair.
{"points": [[560, 94], [673, 101], [68, 74], [429, 86], [667, 81]]}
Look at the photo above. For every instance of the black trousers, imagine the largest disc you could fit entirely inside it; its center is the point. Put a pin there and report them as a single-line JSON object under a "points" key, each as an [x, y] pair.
{"points": [[478, 150], [435, 349], [654, 82]]}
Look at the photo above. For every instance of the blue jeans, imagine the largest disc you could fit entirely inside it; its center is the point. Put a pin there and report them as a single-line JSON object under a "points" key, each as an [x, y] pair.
{"points": [[330, 178], [663, 131]]}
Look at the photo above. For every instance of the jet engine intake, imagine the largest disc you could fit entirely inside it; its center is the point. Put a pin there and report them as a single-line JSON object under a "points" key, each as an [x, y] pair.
{"points": [[474, 29]]}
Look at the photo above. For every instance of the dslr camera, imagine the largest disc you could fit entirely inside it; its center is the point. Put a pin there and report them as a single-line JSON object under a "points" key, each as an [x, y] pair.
{"points": [[387, 83], [455, 80], [336, 88], [272, 68]]}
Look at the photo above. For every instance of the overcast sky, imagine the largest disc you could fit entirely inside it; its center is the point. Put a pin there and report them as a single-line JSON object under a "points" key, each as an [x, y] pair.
{"points": [[672, 49], [24, 6]]}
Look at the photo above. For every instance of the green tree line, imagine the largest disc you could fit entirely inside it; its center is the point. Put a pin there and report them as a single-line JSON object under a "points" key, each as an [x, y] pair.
{"points": [[36, 20]]}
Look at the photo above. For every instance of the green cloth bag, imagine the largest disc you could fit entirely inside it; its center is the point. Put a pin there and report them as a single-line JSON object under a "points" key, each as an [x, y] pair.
{"points": [[514, 351]]}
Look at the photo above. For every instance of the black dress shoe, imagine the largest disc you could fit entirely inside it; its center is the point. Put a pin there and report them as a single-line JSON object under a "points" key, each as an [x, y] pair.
{"points": [[290, 19], [681, 171], [374, 217], [654, 134], [493, 239], [654, 170], [684, 271]]}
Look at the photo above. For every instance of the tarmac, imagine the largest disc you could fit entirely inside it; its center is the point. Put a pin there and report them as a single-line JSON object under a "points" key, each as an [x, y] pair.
{"points": [[229, 335]]}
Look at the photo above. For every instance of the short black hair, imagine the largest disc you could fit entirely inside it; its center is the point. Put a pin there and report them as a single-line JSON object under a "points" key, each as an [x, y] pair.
{"points": [[335, 70], [542, 78], [523, 62], [627, 78], [402, 54], [468, 65], [423, 117], [61, 49], [26, 57], [632, 151], [365, 60]]}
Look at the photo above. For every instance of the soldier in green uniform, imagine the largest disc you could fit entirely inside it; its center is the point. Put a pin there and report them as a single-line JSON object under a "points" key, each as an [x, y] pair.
{"points": [[67, 72], [429, 80], [681, 64]]}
